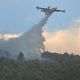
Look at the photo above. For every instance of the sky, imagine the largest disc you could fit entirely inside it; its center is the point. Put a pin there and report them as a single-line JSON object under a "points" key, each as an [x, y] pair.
{"points": [[17, 16]]}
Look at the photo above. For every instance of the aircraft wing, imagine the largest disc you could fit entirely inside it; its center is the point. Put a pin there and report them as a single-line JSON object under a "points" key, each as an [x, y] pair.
{"points": [[42, 9], [45, 10], [39, 7], [60, 11]]}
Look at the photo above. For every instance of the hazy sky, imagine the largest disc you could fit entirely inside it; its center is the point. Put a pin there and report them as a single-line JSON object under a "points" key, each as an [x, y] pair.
{"points": [[20, 15]]}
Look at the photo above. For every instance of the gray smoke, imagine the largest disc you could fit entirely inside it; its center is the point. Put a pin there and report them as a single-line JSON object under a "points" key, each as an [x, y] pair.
{"points": [[30, 43]]}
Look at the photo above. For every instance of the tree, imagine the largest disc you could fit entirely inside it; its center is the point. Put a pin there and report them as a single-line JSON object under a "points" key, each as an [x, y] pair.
{"points": [[20, 57]]}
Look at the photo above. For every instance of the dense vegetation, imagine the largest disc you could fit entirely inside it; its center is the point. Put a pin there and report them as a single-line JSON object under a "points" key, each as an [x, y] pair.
{"points": [[63, 67]]}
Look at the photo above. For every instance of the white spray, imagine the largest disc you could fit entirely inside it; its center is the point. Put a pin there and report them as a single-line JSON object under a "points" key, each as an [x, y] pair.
{"points": [[30, 43]]}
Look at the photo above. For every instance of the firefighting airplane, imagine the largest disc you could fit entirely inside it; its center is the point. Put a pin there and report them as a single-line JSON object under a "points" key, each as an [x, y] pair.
{"points": [[49, 10]]}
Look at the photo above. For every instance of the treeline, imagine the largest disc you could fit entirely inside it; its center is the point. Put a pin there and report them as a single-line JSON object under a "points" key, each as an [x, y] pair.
{"points": [[60, 57], [63, 67]]}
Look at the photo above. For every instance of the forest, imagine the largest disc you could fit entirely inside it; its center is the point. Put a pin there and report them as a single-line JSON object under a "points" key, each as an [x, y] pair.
{"points": [[52, 66]]}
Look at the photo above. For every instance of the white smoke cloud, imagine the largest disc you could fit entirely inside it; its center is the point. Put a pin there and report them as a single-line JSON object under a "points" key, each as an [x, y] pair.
{"points": [[67, 40], [30, 43]]}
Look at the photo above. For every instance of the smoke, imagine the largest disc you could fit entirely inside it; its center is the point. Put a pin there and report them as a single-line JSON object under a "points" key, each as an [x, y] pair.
{"points": [[30, 43], [64, 40]]}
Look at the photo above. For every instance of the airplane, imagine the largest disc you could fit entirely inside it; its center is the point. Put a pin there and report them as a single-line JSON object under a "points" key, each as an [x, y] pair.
{"points": [[49, 10]]}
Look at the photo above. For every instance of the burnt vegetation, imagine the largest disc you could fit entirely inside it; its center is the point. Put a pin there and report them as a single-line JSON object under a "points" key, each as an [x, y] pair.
{"points": [[53, 66]]}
